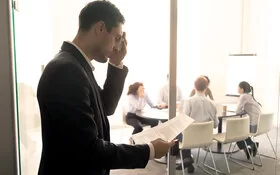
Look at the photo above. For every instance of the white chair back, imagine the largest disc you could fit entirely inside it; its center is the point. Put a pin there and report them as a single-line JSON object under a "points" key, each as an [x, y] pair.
{"points": [[197, 135], [237, 129], [265, 123]]}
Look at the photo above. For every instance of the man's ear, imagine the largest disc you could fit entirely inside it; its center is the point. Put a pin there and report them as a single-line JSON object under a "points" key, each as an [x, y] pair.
{"points": [[99, 27]]}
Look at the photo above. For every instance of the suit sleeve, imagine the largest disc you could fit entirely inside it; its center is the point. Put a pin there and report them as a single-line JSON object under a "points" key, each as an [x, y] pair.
{"points": [[113, 87], [67, 99]]}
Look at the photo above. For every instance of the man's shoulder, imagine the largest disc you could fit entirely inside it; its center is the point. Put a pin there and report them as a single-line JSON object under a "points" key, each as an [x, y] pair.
{"points": [[210, 101], [64, 60]]}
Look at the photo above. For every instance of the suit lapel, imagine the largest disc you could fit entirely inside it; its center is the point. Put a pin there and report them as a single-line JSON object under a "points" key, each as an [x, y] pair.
{"points": [[97, 100]]}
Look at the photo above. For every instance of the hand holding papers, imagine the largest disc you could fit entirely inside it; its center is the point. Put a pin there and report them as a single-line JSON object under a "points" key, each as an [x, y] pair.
{"points": [[166, 131]]}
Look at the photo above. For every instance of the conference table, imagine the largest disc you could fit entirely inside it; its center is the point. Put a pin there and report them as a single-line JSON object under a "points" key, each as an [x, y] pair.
{"points": [[161, 114]]}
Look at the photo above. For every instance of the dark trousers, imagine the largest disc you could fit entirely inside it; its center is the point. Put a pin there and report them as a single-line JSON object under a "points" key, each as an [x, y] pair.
{"points": [[138, 122], [241, 144], [249, 141]]}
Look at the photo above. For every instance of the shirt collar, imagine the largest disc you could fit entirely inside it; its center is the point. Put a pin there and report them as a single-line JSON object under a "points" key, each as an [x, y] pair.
{"points": [[200, 93], [84, 55]]}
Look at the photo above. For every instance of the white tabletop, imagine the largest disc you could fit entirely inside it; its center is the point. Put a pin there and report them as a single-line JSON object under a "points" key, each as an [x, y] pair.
{"points": [[156, 113]]}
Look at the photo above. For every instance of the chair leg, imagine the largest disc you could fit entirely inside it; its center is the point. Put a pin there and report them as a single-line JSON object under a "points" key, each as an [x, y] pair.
{"points": [[197, 157], [205, 157], [214, 168], [182, 162], [257, 153], [271, 146], [237, 161], [251, 158], [227, 162], [230, 148], [213, 160]]}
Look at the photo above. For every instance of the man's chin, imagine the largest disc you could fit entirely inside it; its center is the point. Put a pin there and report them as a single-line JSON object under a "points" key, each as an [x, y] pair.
{"points": [[101, 59]]}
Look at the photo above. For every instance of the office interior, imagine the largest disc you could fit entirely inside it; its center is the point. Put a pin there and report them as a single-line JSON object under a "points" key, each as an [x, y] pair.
{"points": [[211, 36]]}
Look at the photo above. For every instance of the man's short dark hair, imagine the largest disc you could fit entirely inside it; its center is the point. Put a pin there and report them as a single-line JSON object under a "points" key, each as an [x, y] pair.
{"points": [[97, 11]]}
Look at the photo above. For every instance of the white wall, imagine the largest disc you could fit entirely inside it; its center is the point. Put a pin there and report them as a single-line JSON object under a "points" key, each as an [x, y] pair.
{"points": [[267, 45], [33, 38], [65, 21], [219, 36]]}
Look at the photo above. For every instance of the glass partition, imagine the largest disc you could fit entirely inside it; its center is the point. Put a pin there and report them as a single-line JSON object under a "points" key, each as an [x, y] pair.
{"points": [[208, 31], [39, 34], [33, 42]]}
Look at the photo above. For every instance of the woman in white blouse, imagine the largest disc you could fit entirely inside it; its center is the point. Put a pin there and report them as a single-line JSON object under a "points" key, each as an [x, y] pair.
{"points": [[246, 92], [137, 100]]}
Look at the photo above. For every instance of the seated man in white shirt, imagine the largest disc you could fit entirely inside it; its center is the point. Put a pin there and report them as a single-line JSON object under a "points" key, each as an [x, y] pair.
{"points": [[201, 109], [164, 94]]}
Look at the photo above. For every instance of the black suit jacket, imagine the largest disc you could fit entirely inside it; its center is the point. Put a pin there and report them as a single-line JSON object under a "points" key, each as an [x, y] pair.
{"points": [[75, 128]]}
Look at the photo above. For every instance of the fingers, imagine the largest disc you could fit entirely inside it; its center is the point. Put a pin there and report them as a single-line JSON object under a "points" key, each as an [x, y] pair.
{"points": [[173, 142], [162, 147], [124, 39], [170, 144]]}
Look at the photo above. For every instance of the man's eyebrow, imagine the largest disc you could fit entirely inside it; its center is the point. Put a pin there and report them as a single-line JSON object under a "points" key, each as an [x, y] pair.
{"points": [[118, 36]]}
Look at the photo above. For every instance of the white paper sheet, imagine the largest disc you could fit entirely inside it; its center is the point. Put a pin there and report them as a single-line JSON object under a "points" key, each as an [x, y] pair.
{"points": [[166, 131]]}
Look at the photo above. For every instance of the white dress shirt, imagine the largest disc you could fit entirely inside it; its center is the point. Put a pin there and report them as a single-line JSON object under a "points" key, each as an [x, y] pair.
{"points": [[164, 94], [136, 105]]}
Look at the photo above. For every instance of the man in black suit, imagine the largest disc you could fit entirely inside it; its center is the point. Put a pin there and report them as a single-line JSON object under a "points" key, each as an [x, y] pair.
{"points": [[74, 109]]}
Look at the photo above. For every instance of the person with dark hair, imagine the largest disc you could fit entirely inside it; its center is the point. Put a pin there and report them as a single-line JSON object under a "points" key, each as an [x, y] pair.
{"points": [[137, 100], [74, 109], [208, 91], [246, 92], [201, 109]]}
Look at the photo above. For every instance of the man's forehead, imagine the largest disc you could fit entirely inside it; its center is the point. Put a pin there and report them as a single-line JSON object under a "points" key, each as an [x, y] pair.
{"points": [[117, 30]]}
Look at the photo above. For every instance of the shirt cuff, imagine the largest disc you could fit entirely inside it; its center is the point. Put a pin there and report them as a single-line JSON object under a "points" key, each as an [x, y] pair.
{"points": [[152, 151], [120, 66]]}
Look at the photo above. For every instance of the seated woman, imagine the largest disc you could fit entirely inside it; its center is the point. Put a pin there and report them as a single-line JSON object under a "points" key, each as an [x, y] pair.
{"points": [[208, 92], [244, 90], [137, 99]]}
